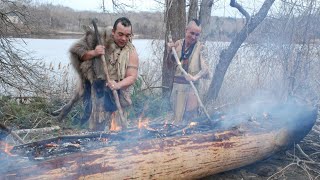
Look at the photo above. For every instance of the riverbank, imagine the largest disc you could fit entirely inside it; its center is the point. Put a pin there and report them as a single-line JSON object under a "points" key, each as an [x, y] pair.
{"points": [[52, 35], [62, 35]]}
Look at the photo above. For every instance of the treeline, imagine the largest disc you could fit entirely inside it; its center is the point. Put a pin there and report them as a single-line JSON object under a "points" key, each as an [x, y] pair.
{"points": [[48, 19]]}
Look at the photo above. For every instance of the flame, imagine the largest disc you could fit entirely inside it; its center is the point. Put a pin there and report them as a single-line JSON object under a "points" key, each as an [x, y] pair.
{"points": [[165, 123], [143, 123], [114, 125], [192, 124], [6, 148]]}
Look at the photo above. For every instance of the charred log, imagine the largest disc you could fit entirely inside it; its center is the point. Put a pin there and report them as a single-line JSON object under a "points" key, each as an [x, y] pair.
{"points": [[157, 151]]}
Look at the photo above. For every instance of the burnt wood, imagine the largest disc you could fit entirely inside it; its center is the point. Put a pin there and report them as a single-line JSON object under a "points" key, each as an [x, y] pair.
{"points": [[189, 155]]}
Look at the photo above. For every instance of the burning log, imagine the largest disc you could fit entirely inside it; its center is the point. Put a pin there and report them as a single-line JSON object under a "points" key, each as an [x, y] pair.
{"points": [[130, 154]]}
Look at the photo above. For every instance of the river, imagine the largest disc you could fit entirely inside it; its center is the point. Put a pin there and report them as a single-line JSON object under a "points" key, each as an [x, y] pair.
{"points": [[56, 50]]}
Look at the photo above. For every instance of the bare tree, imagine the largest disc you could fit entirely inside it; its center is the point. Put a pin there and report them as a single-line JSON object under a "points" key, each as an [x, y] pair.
{"points": [[193, 10], [175, 19], [118, 6], [205, 18], [17, 69], [227, 55], [295, 33]]}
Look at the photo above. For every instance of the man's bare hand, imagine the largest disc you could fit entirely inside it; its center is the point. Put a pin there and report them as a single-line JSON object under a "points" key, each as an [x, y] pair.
{"points": [[171, 45], [99, 50], [189, 77], [113, 85]]}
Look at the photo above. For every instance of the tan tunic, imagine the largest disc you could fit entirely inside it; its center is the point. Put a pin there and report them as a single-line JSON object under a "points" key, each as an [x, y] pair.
{"points": [[117, 67], [118, 62], [181, 92]]}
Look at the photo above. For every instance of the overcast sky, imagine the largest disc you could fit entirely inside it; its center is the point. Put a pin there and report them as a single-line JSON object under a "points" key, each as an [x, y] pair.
{"points": [[95, 5], [220, 8]]}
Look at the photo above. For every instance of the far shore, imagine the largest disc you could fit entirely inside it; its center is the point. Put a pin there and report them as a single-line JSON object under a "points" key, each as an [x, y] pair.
{"points": [[63, 35], [76, 35]]}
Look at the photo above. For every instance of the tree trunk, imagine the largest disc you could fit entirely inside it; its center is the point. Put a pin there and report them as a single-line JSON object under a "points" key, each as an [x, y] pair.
{"points": [[205, 18], [193, 10], [227, 55], [175, 19], [99, 117]]}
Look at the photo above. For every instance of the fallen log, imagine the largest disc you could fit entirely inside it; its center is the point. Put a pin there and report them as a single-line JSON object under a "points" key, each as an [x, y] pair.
{"points": [[37, 130], [177, 157]]}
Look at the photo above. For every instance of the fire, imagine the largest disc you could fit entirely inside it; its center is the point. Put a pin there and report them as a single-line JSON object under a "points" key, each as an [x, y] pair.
{"points": [[143, 123], [6, 148], [114, 126], [192, 124]]}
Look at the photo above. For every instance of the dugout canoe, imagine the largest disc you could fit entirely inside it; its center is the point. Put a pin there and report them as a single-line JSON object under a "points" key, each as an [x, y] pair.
{"points": [[188, 156]]}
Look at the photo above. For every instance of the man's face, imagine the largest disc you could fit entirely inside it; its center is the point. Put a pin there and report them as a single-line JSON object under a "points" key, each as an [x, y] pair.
{"points": [[192, 34], [121, 35]]}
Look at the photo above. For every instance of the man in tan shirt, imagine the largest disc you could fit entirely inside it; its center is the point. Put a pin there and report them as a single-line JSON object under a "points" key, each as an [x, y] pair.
{"points": [[189, 51]]}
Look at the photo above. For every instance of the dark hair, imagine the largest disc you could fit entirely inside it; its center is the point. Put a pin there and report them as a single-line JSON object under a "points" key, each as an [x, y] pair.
{"points": [[124, 21], [197, 21]]}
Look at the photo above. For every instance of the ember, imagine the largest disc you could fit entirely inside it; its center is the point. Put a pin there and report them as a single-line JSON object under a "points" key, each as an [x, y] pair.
{"points": [[6, 148], [143, 123]]}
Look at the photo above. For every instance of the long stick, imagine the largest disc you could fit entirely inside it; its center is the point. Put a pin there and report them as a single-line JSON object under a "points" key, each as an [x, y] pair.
{"points": [[105, 69], [185, 73]]}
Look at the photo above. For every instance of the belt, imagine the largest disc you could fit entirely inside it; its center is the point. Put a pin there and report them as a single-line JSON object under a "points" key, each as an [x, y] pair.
{"points": [[180, 80]]}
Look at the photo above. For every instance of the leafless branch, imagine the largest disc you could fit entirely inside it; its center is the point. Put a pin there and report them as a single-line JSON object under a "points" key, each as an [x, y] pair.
{"points": [[119, 6], [303, 153], [233, 3], [17, 69]]}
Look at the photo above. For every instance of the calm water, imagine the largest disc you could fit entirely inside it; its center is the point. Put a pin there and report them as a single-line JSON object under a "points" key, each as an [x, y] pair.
{"points": [[56, 50]]}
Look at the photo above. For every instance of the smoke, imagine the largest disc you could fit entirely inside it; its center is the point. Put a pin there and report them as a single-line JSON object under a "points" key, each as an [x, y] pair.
{"points": [[264, 110]]}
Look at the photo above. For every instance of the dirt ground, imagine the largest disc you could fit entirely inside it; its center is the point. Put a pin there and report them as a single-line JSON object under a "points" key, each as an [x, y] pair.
{"points": [[300, 162]]}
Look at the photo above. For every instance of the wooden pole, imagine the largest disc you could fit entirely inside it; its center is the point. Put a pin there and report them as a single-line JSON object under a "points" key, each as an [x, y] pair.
{"points": [[185, 73], [105, 69]]}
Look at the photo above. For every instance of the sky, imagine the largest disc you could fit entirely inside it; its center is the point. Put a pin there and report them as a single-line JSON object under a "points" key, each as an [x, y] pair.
{"points": [[95, 5], [220, 7]]}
